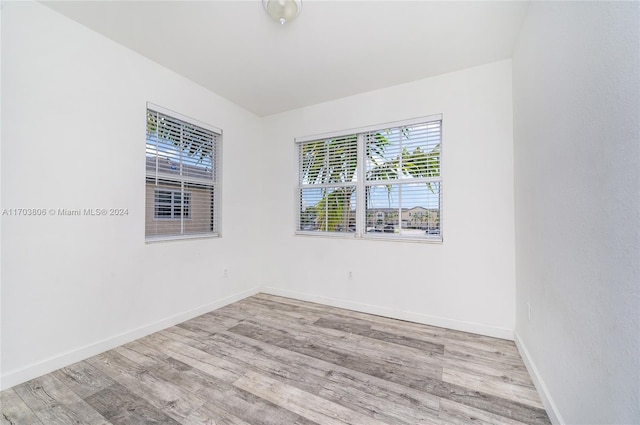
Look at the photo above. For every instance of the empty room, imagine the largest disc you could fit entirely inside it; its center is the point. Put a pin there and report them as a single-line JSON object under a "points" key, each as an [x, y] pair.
{"points": [[320, 212]]}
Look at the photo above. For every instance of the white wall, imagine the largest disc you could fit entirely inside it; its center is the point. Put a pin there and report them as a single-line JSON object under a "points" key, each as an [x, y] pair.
{"points": [[576, 83], [73, 130], [467, 282]]}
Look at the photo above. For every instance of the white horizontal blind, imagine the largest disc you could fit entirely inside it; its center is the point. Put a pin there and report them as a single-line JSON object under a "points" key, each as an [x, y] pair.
{"points": [[327, 184], [399, 192], [182, 162], [403, 183]]}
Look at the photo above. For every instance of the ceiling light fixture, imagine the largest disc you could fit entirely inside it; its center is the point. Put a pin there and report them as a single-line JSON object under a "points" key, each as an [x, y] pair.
{"points": [[282, 11]]}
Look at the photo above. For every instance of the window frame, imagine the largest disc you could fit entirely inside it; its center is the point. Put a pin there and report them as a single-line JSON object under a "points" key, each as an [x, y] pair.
{"points": [[182, 182], [361, 184]]}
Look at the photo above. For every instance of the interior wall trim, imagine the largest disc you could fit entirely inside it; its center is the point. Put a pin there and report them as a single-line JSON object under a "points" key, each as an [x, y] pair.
{"points": [[425, 319], [543, 391], [15, 377]]}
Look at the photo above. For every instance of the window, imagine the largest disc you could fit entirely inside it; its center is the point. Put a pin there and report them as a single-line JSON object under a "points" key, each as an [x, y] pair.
{"points": [[328, 184], [172, 204], [380, 182], [182, 173]]}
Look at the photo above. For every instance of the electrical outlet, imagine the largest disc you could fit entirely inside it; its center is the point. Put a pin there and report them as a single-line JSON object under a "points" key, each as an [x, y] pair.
{"points": [[350, 275], [529, 311], [226, 273]]}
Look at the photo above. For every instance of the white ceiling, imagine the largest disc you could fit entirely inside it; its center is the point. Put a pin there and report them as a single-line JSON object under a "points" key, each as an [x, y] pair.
{"points": [[331, 50]]}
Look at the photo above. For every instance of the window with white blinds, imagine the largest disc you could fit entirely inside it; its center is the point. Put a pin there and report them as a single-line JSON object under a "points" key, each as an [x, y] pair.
{"points": [[182, 172], [328, 184], [380, 182]]}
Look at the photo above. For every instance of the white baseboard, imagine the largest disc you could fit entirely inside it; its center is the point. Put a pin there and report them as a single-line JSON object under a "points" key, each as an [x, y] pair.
{"points": [[43, 367], [543, 391], [425, 319]]}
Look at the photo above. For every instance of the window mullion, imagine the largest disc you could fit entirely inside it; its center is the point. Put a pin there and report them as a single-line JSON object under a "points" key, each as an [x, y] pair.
{"points": [[182, 207], [157, 145], [326, 210], [361, 214]]}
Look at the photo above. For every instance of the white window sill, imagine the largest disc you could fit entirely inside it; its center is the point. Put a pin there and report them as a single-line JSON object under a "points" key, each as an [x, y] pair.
{"points": [[156, 239]]}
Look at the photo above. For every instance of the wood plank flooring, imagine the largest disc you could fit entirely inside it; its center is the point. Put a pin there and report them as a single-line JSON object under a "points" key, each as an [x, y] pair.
{"points": [[269, 360]]}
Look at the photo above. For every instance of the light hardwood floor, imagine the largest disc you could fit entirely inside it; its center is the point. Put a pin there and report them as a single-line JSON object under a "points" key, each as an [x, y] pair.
{"points": [[278, 361]]}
